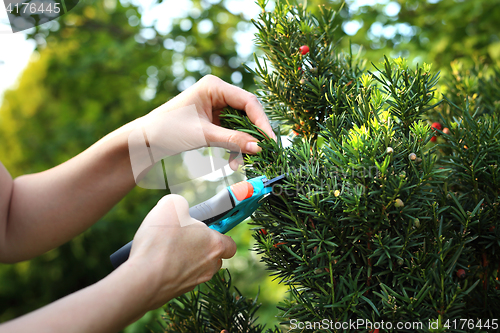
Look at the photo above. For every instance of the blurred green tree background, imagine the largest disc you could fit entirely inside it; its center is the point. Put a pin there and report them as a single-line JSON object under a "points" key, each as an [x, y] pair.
{"points": [[100, 66], [432, 31]]}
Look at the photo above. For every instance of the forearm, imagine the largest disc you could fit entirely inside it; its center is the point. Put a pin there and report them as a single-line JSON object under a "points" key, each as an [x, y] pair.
{"points": [[51, 207], [107, 306]]}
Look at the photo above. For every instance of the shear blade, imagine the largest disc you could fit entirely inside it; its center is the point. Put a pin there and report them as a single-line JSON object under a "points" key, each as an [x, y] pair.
{"points": [[270, 182]]}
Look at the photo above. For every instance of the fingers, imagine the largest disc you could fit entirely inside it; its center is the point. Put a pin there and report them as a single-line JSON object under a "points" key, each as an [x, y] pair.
{"points": [[227, 247], [224, 137], [224, 94], [235, 160]]}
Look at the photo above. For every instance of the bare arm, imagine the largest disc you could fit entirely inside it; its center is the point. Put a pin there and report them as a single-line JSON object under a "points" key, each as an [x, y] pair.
{"points": [[107, 306], [41, 211]]}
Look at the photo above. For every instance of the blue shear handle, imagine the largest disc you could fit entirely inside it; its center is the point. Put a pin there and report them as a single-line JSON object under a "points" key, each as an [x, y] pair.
{"points": [[243, 208]]}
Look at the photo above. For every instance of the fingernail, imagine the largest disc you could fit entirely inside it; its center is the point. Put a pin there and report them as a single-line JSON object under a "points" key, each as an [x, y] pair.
{"points": [[253, 148], [275, 137]]}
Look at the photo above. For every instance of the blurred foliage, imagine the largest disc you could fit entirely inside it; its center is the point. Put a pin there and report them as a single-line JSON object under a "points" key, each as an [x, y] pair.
{"points": [[434, 31], [95, 72]]}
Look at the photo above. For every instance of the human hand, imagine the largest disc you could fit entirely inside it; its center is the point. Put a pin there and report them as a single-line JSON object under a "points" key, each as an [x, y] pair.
{"points": [[210, 95], [191, 120], [172, 252]]}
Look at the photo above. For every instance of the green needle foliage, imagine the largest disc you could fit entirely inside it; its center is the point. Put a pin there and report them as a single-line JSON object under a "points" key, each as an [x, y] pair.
{"points": [[213, 307], [381, 217], [471, 151], [364, 227]]}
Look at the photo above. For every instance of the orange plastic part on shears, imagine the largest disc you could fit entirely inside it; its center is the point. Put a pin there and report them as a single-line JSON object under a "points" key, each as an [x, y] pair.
{"points": [[242, 190]]}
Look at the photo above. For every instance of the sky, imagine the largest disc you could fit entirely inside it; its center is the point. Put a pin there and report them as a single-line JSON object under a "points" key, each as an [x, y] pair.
{"points": [[15, 52]]}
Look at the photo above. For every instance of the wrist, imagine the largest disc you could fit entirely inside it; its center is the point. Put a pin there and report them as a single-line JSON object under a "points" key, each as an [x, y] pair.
{"points": [[138, 279], [113, 151], [131, 286]]}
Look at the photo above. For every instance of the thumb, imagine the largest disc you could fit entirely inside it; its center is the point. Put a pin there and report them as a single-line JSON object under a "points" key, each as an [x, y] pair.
{"points": [[172, 210], [227, 138]]}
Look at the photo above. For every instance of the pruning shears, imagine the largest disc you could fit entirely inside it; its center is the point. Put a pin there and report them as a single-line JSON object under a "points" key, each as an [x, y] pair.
{"points": [[223, 211]]}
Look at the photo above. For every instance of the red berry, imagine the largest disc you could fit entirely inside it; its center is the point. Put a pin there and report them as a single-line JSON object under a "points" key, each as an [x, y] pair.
{"points": [[433, 139], [492, 228], [374, 331], [446, 131], [461, 273], [437, 125], [304, 49], [263, 231]]}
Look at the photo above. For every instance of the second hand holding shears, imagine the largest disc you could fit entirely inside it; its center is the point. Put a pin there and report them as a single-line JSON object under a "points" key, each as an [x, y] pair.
{"points": [[223, 211]]}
